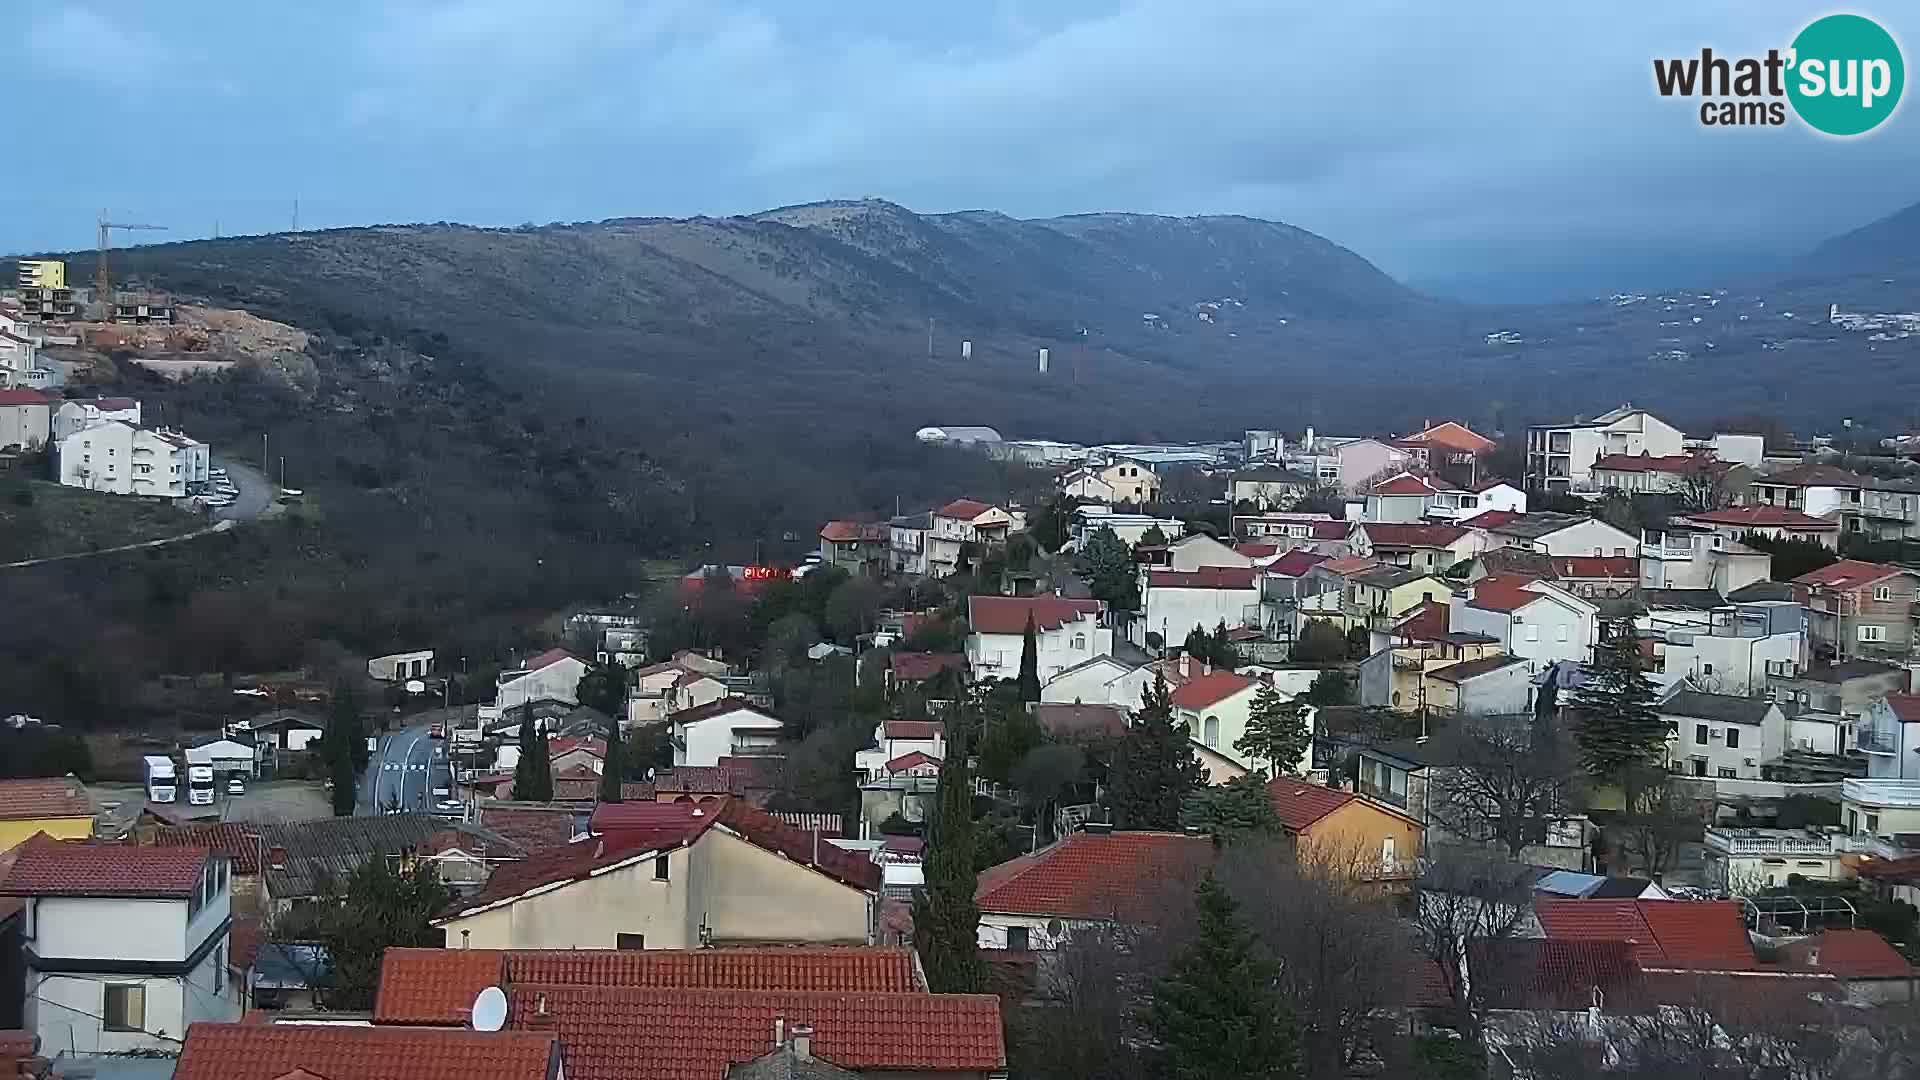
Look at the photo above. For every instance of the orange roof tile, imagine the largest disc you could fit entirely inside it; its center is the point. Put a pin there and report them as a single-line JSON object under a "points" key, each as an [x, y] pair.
{"points": [[1299, 804], [1008, 614], [1206, 577], [1619, 567], [1706, 935], [1204, 691], [1848, 574], [44, 866], [1503, 592], [1396, 534], [1404, 484], [1096, 875], [1770, 517], [341, 1052], [1850, 954], [40, 798], [626, 1033], [963, 509]]}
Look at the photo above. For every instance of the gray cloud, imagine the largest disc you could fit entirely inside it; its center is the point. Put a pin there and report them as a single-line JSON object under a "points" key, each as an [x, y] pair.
{"points": [[1439, 141]]}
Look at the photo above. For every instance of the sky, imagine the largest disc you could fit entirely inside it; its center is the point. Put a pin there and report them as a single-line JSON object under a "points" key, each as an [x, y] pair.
{"points": [[1489, 148]]}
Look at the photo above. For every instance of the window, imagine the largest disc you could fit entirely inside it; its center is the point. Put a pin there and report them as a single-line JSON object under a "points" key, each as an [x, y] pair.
{"points": [[630, 942], [125, 1007], [1873, 633], [1700, 734], [1699, 766], [1079, 642], [1873, 824], [1560, 632], [219, 967], [1883, 593], [660, 868], [1017, 939], [1733, 738], [1853, 823], [1706, 669], [1726, 774], [1211, 729], [1387, 851], [1532, 633]]}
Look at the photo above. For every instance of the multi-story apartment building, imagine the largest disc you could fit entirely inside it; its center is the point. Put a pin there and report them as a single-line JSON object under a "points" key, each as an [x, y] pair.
{"points": [[1725, 736], [1860, 610], [1560, 457], [114, 456], [1740, 649]]}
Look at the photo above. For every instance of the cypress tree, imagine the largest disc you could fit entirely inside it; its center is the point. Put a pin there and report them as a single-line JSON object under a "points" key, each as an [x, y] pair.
{"points": [[1216, 1014], [614, 769], [1154, 768], [1030, 663], [946, 921], [533, 774], [1276, 731], [1616, 726]]}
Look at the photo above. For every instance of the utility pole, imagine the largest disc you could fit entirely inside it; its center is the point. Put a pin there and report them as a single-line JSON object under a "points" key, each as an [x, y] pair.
{"points": [[266, 463], [929, 337]]}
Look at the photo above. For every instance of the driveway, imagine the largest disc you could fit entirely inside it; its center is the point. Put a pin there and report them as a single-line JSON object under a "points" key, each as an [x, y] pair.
{"points": [[254, 496], [404, 770]]}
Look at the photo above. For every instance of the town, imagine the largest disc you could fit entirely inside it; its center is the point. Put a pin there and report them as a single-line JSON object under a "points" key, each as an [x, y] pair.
{"points": [[1579, 749]]}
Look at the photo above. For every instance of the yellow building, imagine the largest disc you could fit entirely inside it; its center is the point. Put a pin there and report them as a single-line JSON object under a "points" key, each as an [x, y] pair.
{"points": [[42, 274], [55, 805], [1375, 840]]}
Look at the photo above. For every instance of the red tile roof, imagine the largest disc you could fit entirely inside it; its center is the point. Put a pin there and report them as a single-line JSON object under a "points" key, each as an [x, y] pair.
{"points": [[1430, 620], [844, 532], [1348, 565], [1328, 530], [1256, 551], [592, 744], [1388, 534], [1008, 614], [1404, 484], [1077, 722], [1905, 706], [628, 1033], [1490, 519], [1454, 435], [1848, 574], [632, 820], [112, 404], [44, 866], [1204, 691], [908, 761], [533, 828], [1672, 464], [1814, 475], [1206, 577], [23, 396], [1769, 517], [341, 1052], [1299, 804], [1610, 567], [238, 841], [548, 658], [41, 798], [1705, 935], [1526, 973], [1503, 592], [1097, 876], [963, 509], [1850, 954], [916, 666], [1295, 562], [913, 729], [713, 709], [678, 824], [437, 986]]}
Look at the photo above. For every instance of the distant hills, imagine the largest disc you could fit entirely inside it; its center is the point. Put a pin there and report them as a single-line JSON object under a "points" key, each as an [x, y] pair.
{"points": [[1892, 241]]}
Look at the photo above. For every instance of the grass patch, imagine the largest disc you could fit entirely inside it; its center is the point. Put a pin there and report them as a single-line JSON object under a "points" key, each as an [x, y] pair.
{"points": [[40, 519]]}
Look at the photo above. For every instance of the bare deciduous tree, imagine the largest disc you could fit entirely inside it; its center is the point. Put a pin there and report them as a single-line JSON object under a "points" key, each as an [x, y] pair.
{"points": [[1465, 900], [1506, 781], [1662, 816]]}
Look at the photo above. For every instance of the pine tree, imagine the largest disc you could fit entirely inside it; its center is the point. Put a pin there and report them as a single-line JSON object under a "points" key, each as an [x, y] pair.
{"points": [[340, 771], [603, 686], [1030, 663], [1238, 808], [1277, 731], [345, 748], [533, 774], [946, 921], [1225, 656], [1216, 1014], [1616, 725], [1154, 768], [1111, 574]]}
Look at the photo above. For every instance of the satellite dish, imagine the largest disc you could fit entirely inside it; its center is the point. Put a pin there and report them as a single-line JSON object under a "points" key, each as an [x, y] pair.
{"points": [[415, 686], [490, 1009]]}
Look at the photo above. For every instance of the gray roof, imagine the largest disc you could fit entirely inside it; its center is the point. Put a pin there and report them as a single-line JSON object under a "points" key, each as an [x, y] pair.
{"points": [[1518, 559], [1269, 474], [784, 1064], [1688, 599], [1538, 524], [1473, 669], [1389, 577], [921, 520], [1724, 708], [1852, 669], [1762, 590], [328, 851]]}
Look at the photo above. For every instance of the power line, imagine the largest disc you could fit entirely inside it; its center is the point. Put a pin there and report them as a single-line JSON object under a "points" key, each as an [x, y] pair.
{"points": [[35, 995]]}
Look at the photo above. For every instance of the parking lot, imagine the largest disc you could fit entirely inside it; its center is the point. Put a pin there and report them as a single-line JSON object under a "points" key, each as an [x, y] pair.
{"points": [[265, 801]]}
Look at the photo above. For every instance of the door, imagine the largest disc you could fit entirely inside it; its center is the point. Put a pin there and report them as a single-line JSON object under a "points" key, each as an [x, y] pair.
{"points": [[1387, 846]]}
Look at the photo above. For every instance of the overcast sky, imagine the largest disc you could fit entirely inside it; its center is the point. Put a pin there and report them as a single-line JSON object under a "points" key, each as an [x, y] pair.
{"points": [[1442, 141]]}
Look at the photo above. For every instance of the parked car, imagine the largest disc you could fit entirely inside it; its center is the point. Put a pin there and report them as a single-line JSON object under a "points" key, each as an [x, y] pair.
{"points": [[437, 731], [236, 786]]}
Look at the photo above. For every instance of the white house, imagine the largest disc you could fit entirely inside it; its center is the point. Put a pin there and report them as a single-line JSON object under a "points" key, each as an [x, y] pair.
{"points": [[1121, 481], [1268, 487], [1773, 522], [907, 542], [395, 667], [903, 746], [1402, 498], [116, 457], [1090, 878], [660, 690], [726, 728], [1066, 632], [77, 413], [552, 675], [1722, 735], [124, 946], [1814, 489], [1200, 551], [1682, 556], [1216, 706], [1130, 528], [1558, 534], [957, 524], [1739, 648], [21, 366], [25, 418], [1889, 734], [1534, 620], [1560, 457], [1091, 682], [1174, 602]]}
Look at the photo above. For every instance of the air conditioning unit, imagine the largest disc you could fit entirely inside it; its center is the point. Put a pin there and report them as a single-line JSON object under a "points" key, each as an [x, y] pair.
{"points": [[1749, 762]]}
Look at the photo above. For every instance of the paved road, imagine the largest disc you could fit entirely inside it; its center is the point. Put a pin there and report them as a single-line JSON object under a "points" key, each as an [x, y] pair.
{"points": [[404, 771], [254, 496], [216, 527]]}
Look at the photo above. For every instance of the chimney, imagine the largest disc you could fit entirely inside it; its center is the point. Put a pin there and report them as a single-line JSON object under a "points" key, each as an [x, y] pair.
{"points": [[1206, 667], [803, 1041], [1186, 665], [277, 858], [779, 1032]]}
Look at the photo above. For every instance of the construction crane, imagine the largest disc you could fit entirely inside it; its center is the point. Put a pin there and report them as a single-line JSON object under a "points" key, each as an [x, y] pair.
{"points": [[102, 281]]}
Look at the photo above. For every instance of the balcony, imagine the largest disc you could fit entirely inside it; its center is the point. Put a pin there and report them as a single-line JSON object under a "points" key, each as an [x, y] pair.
{"points": [[1386, 795], [1902, 794], [1877, 742], [1773, 843]]}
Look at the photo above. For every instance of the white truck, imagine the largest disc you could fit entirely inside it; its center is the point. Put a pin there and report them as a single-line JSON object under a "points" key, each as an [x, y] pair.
{"points": [[161, 779], [200, 785]]}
